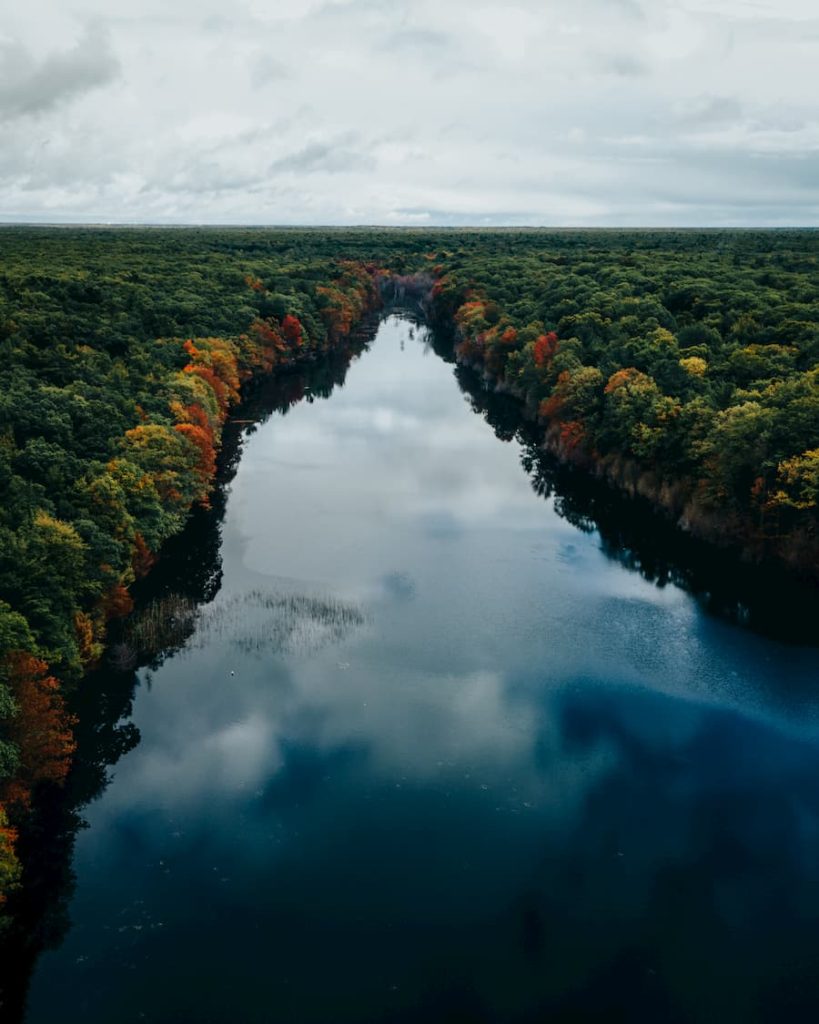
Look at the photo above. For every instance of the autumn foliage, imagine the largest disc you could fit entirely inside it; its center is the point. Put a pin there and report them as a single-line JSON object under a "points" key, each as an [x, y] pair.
{"points": [[142, 558], [346, 300], [9, 864], [292, 330], [41, 728], [544, 349], [117, 602]]}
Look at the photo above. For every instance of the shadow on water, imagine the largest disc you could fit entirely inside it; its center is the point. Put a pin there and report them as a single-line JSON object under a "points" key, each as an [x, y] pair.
{"points": [[188, 578]]}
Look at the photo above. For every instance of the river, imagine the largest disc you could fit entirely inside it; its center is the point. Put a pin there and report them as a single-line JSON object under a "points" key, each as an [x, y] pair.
{"points": [[427, 752]]}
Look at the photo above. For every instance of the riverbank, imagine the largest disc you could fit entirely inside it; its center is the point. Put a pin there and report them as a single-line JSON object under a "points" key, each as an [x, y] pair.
{"points": [[133, 503], [719, 436], [679, 502]]}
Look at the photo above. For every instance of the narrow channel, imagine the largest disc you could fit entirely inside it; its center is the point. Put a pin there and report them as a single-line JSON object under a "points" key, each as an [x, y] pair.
{"points": [[427, 753]]}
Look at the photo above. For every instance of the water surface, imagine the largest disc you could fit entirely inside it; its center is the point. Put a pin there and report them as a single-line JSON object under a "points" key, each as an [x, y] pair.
{"points": [[429, 754]]}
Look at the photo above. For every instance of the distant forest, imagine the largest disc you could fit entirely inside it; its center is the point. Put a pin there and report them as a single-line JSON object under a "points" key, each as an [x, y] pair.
{"points": [[679, 365]]}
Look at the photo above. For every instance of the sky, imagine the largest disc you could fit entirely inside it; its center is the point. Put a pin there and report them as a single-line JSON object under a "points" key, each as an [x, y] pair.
{"points": [[417, 112]]}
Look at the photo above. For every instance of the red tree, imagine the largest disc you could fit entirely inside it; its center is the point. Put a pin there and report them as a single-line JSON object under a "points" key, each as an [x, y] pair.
{"points": [[292, 330], [42, 728], [545, 348]]}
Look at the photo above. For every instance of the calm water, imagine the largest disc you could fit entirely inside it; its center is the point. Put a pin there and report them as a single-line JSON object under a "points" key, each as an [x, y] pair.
{"points": [[430, 755]]}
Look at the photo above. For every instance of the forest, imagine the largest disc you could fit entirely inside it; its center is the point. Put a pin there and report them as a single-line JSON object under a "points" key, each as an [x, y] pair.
{"points": [[682, 366]]}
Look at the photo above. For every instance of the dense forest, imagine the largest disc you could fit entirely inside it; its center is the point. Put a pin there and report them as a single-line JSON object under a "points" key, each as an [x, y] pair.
{"points": [[683, 366]]}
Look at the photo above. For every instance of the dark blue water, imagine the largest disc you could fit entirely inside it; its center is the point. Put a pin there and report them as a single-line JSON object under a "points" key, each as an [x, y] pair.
{"points": [[430, 755]]}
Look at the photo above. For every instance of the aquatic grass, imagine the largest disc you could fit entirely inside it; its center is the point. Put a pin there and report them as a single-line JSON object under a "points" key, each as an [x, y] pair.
{"points": [[255, 622]]}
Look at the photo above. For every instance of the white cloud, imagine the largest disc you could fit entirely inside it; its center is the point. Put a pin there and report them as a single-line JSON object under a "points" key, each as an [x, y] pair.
{"points": [[31, 86], [365, 111]]}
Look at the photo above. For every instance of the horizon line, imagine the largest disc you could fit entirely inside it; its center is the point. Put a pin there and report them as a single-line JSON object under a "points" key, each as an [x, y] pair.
{"points": [[237, 225]]}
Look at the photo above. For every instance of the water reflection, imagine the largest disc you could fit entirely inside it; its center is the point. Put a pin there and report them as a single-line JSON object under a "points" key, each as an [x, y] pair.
{"points": [[501, 778], [168, 607], [768, 600]]}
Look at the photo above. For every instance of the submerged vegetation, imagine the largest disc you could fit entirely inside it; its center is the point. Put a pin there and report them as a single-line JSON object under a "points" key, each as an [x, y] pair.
{"points": [[683, 366], [255, 622]]}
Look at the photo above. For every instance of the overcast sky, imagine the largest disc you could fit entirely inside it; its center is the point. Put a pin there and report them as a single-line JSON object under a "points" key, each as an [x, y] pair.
{"points": [[610, 112]]}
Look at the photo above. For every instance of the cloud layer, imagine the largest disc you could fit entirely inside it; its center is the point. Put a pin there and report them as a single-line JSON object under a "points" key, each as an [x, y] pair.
{"points": [[411, 111]]}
